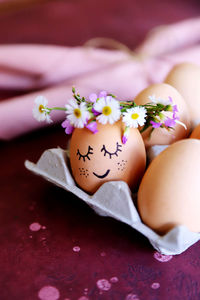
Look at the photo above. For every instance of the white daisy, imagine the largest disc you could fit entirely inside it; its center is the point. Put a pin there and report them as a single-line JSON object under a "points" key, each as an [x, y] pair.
{"points": [[135, 116], [155, 100], [40, 110], [77, 114], [109, 110]]}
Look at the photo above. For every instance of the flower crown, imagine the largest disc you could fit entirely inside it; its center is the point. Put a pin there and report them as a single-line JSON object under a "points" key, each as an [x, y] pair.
{"points": [[105, 108]]}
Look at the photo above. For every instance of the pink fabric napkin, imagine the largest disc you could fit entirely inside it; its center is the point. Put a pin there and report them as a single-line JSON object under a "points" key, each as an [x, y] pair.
{"points": [[56, 69]]}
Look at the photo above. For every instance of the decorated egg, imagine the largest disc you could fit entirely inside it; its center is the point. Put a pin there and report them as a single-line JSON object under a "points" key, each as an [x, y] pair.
{"points": [[185, 77], [101, 157], [196, 133], [169, 193], [165, 93]]}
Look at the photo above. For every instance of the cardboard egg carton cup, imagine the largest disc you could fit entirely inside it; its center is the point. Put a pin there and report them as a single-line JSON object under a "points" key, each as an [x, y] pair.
{"points": [[112, 199]]}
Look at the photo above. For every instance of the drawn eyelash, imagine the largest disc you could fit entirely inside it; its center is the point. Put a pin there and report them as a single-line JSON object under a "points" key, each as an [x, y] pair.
{"points": [[114, 153], [85, 156]]}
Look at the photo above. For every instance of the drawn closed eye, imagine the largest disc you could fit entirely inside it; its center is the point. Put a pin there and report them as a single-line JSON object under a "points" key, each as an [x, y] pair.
{"points": [[118, 149], [86, 155]]}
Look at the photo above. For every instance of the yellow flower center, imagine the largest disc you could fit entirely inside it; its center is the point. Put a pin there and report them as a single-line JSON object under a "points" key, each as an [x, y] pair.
{"points": [[134, 116], [107, 110], [77, 112], [41, 107]]}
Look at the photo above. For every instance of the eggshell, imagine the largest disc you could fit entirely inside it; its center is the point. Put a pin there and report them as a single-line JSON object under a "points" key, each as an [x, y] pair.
{"points": [[195, 133], [127, 163], [185, 77], [162, 136], [169, 193]]}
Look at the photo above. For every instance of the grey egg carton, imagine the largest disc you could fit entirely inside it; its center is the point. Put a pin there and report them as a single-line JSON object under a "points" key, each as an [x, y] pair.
{"points": [[113, 199]]}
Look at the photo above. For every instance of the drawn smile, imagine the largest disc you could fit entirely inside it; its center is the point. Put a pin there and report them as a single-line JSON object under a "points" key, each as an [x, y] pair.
{"points": [[102, 176]]}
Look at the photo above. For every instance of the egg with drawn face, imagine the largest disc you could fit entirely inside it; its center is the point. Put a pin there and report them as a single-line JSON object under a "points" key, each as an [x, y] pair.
{"points": [[101, 157]]}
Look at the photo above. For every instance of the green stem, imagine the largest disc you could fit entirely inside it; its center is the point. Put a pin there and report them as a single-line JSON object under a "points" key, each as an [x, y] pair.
{"points": [[57, 108]]}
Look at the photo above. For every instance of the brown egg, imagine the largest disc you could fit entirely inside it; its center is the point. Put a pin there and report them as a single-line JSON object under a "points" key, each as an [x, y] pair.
{"points": [[101, 157], [162, 136], [185, 77], [195, 133], [169, 193]]}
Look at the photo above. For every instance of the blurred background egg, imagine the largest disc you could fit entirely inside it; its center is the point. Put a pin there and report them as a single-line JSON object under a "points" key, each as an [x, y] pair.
{"points": [[196, 133], [169, 193], [185, 77], [162, 136], [101, 157]]}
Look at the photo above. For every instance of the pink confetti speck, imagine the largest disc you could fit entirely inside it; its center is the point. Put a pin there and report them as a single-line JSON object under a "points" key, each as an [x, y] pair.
{"points": [[76, 249], [85, 291], [83, 298], [132, 297], [30, 236], [161, 257], [43, 227], [114, 279], [103, 254], [35, 226], [103, 284], [49, 293], [155, 285]]}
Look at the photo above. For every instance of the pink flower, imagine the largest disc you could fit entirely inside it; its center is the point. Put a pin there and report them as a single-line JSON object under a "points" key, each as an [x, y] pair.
{"points": [[102, 94], [96, 113], [170, 99], [125, 135], [68, 127], [175, 110], [124, 139], [92, 126], [155, 124], [92, 98], [170, 122]]}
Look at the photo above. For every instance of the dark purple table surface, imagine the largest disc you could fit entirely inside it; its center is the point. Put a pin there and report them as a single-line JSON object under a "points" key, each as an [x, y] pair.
{"points": [[76, 254]]}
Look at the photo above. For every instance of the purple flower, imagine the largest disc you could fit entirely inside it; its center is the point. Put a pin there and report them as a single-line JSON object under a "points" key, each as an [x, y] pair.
{"points": [[175, 110], [170, 99], [170, 122], [96, 113], [102, 94], [68, 127], [155, 124], [92, 98], [124, 139], [92, 126]]}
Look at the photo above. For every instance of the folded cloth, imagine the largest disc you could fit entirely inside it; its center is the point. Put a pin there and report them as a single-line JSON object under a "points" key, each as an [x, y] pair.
{"points": [[56, 69]]}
